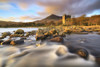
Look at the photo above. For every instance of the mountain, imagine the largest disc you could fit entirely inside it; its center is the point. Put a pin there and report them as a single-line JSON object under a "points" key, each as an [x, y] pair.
{"points": [[52, 16]]}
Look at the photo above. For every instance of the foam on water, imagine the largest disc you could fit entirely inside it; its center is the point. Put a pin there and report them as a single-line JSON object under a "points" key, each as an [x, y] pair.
{"points": [[44, 55]]}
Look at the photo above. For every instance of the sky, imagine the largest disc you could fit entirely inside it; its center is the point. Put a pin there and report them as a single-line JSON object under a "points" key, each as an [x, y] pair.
{"points": [[32, 10]]}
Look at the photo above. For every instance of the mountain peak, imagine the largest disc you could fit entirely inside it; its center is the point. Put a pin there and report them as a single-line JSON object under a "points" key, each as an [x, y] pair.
{"points": [[53, 16]]}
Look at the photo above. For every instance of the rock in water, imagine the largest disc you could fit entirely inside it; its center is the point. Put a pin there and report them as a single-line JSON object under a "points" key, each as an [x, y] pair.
{"points": [[61, 51], [17, 42], [82, 53], [19, 31], [6, 42], [40, 37], [57, 39], [5, 34], [1, 41], [12, 43]]}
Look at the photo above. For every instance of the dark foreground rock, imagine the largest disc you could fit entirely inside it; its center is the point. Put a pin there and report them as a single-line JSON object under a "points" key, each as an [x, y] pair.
{"points": [[7, 42], [82, 53], [1, 41], [17, 42], [12, 42], [40, 37]]}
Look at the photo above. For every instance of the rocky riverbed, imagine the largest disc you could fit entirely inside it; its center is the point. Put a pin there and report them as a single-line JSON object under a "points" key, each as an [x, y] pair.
{"points": [[49, 47]]}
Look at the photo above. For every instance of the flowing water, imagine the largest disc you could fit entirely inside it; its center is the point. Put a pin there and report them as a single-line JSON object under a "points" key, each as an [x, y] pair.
{"points": [[29, 55], [91, 42]]}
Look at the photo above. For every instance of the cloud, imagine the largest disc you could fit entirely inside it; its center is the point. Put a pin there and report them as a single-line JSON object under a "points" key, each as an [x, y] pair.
{"points": [[21, 18], [29, 18], [26, 18], [73, 7], [5, 6], [58, 7], [7, 19]]}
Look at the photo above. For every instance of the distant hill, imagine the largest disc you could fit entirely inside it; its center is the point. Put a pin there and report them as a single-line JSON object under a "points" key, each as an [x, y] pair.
{"points": [[7, 22]]}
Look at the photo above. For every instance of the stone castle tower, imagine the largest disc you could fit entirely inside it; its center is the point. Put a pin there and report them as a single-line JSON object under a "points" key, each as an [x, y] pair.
{"points": [[64, 17]]}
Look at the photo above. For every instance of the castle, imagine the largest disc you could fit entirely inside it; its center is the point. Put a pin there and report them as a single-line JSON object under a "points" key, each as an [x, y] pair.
{"points": [[64, 18]]}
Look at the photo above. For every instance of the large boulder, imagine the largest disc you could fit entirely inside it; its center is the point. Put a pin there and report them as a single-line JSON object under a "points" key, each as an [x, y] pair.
{"points": [[5, 34], [57, 39], [19, 31], [61, 51]]}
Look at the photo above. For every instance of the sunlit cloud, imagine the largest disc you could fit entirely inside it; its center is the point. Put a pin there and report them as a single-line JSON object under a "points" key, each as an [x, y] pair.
{"points": [[58, 7], [26, 18], [7, 19]]}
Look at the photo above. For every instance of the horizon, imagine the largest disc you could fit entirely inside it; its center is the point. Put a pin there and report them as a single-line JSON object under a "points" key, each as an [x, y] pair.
{"points": [[32, 10]]}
